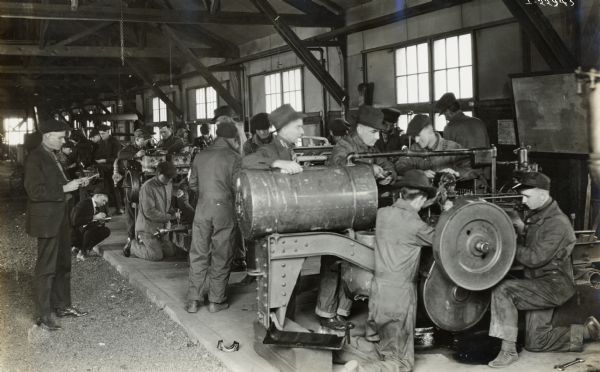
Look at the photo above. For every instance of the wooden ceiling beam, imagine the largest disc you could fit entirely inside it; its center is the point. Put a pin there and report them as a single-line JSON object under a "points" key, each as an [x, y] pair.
{"points": [[80, 35], [63, 70], [99, 52], [59, 12]]}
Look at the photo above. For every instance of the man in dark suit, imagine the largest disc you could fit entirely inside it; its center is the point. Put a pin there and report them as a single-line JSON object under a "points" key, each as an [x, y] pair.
{"points": [[213, 177], [88, 220], [48, 192], [104, 156]]}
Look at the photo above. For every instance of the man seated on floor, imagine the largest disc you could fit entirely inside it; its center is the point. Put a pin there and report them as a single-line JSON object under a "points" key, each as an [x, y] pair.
{"points": [[154, 213], [545, 252], [88, 221]]}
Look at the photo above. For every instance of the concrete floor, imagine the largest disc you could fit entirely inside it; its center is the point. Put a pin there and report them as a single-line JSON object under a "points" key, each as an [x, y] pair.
{"points": [[165, 284]]}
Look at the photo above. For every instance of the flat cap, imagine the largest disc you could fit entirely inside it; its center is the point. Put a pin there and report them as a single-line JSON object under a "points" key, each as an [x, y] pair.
{"points": [[260, 121], [68, 145], [371, 117], [52, 125], [390, 115], [417, 179], [103, 128], [445, 102], [416, 125], [94, 132], [284, 115], [167, 169], [226, 127], [531, 180], [339, 127], [141, 133], [163, 124], [223, 111]]}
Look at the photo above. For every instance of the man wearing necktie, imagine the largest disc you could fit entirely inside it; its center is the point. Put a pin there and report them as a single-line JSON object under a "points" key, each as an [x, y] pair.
{"points": [[48, 206]]}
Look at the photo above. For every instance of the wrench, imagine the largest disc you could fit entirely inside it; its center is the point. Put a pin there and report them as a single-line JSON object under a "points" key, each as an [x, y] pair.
{"points": [[562, 367]]}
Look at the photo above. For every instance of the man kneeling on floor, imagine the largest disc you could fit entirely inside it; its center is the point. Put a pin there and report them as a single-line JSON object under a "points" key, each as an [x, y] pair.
{"points": [[88, 223], [546, 254], [155, 213]]}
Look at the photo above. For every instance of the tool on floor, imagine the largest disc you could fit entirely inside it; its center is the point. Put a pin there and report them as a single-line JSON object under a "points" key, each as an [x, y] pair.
{"points": [[228, 349], [562, 367]]}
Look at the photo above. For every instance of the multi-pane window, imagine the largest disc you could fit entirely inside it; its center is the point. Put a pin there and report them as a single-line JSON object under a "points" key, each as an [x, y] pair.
{"points": [[16, 128], [159, 110], [412, 74], [453, 66], [206, 102], [284, 87]]}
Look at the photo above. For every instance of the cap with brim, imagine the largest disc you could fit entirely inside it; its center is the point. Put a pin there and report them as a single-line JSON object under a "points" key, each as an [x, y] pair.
{"points": [[260, 121], [531, 180], [445, 102], [284, 115], [140, 133], [417, 179], [339, 127], [103, 128], [390, 115], [223, 111], [370, 117], [68, 145], [416, 124], [94, 132], [52, 125]]}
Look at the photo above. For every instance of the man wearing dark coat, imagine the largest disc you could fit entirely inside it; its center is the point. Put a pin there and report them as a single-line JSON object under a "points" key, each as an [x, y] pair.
{"points": [[213, 178], [544, 249], [168, 140], [88, 220], [104, 156], [48, 207], [261, 135]]}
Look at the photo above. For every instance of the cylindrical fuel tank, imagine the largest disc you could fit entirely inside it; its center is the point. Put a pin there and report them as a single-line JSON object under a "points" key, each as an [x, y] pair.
{"points": [[320, 198]]}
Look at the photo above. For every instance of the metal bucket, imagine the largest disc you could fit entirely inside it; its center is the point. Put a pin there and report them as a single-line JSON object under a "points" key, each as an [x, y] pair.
{"points": [[318, 199]]}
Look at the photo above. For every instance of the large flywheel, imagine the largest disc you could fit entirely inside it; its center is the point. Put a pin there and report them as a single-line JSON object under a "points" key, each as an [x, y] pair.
{"points": [[132, 184], [475, 244], [449, 306]]}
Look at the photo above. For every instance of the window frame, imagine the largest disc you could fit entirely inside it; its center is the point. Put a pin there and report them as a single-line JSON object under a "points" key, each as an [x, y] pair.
{"points": [[270, 72], [194, 92], [159, 109]]}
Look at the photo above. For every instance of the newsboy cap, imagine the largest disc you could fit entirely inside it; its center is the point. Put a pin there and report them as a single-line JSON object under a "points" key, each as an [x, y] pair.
{"points": [[226, 128], [445, 102], [530, 180], [284, 115], [416, 125], [390, 115], [417, 179], [339, 127], [52, 125], [371, 117], [103, 128], [93, 133], [223, 111], [260, 121], [167, 169], [140, 133]]}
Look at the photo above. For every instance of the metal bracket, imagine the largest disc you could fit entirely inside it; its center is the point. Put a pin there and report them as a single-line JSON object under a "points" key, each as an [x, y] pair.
{"points": [[235, 346]]}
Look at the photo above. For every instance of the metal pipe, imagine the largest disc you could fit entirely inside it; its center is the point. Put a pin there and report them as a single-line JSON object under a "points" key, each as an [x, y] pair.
{"points": [[369, 155], [594, 128]]}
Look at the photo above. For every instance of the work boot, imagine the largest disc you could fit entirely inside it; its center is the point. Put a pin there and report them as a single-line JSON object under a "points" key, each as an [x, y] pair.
{"points": [[214, 307], [192, 306], [70, 311], [127, 248], [504, 359], [593, 328], [47, 323]]}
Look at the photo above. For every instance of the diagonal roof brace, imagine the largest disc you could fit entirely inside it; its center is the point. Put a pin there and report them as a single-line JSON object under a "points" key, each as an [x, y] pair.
{"points": [[542, 33], [314, 66]]}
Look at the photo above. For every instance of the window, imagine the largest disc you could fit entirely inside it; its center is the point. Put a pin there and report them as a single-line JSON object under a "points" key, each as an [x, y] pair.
{"points": [[16, 128], [412, 74], [284, 87], [159, 110], [453, 66], [206, 102]]}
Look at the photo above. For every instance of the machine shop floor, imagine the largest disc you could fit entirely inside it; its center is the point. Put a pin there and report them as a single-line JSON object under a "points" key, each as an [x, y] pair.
{"points": [[165, 283]]}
